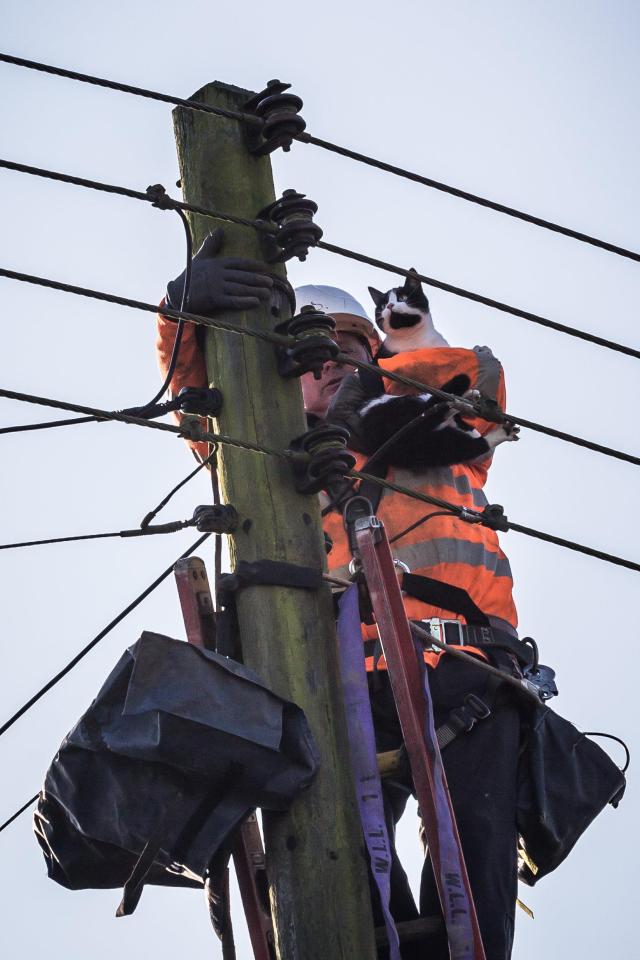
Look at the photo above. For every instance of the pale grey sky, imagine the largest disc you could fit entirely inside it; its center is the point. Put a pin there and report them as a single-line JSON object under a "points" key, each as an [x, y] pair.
{"points": [[532, 104]]}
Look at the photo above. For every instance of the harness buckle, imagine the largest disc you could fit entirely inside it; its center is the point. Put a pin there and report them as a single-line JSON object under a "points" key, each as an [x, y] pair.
{"points": [[436, 626]]}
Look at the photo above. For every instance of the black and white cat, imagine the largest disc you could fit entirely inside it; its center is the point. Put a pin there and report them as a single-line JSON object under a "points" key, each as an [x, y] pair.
{"points": [[404, 317], [439, 435]]}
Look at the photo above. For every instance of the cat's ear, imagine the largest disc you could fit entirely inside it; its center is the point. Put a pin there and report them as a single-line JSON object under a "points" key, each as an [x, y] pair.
{"points": [[412, 281], [377, 297], [414, 291]]}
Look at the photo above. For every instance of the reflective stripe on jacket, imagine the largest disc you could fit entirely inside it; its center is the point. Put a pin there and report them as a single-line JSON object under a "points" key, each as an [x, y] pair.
{"points": [[444, 548]]}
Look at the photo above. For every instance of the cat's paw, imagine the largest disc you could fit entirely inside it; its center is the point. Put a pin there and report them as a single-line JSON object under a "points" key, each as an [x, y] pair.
{"points": [[502, 433]]}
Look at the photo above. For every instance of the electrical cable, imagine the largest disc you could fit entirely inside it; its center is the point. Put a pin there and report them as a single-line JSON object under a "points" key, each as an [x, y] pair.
{"points": [[25, 427], [307, 138], [281, 340], [418, 523], [148, 196], [480, 298], [22, 809], [184, 302], [165, 500], [100, 636], [352, 255], [471, 197], [184, 431], [128, 88], [473, 516], [145, 531], [463, 513]]}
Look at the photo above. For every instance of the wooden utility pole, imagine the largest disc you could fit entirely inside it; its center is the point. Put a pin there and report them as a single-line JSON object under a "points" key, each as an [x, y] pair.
{"points": [[317, 874]]}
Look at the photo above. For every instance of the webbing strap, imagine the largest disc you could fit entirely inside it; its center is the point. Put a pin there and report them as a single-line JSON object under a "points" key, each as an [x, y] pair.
{"points": [[364, 764], [437, 593], [415, 713]]}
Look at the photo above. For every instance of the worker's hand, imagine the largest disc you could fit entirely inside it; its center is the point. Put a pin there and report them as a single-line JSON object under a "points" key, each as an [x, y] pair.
{"points": [[220, 283], [344, 409]]}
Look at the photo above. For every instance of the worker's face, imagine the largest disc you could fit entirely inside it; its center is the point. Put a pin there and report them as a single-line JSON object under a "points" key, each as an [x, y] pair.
{"points": [[317, 394]]}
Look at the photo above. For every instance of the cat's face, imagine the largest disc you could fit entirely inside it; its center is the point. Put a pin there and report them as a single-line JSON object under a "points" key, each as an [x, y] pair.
{"points": [[401, 308]]}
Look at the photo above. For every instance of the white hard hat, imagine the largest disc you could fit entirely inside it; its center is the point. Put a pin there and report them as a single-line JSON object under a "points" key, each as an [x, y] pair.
{"points": [[329, 300], [349, 314]]}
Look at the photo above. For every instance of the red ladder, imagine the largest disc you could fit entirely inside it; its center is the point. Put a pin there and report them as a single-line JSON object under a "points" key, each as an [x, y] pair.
{"points": [[248, 852]]}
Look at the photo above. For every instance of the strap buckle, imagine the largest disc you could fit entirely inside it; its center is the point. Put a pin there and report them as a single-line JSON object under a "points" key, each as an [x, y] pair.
{"points": [[436, 626]]}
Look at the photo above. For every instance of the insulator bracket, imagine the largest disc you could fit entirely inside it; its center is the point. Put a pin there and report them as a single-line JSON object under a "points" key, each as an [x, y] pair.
{"points": [[292, 216], [280, 113]]}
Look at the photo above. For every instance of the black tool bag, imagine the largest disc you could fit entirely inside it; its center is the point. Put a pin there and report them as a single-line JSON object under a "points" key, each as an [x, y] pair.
{"points": [[179, 746], [565, 780]]}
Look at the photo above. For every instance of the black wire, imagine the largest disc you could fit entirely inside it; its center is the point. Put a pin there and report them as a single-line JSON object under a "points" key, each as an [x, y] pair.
{"points": [[479, 298], [148, 197], [103, 633], [571, 545], [22, 809], [165, 500], [24, 427], [418, 523], [462, 512], [184, 303], [465, 195], [128, 88], [610, 736], [473, 516], [125, 534], [280, 340], [120, 417], [360, 257], [307, 138]]}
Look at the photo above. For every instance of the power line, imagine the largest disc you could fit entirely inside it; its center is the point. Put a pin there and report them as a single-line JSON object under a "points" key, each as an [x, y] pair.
{"points": [[148, 196], [474, 516], [470, 516], [165, 500], [26, 427], [281, 340], [349, 254], [145, 531], [189, 432], [471, 197], [100, 636], [307, 138], [22, 809], [128, 88], [480, 298]]}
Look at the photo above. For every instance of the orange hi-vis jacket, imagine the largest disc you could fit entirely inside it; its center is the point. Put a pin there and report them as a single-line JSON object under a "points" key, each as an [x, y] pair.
{"points": [[445, 548], [190, 369]]}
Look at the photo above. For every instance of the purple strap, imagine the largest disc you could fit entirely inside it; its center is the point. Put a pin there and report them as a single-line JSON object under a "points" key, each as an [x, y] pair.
{"points": [[456, 905], [364, 762]]}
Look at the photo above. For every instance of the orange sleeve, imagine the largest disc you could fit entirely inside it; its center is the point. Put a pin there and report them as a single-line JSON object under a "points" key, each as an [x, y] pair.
{"points": [[190, 369]]}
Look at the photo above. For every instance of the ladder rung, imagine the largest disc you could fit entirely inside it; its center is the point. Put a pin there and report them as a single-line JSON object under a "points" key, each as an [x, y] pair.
{"points": [[410, 930]]}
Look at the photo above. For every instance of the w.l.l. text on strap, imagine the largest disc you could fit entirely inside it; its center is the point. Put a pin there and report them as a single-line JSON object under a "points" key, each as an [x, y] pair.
{"points": [[416, 720], [364, 763]]}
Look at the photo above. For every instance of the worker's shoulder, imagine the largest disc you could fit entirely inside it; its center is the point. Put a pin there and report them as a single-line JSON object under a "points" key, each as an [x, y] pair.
{"points": [[486, 352]]}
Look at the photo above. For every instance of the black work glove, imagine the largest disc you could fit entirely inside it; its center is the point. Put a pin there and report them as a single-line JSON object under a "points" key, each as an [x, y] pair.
{"points": [[220, 283], [344, 410]]}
